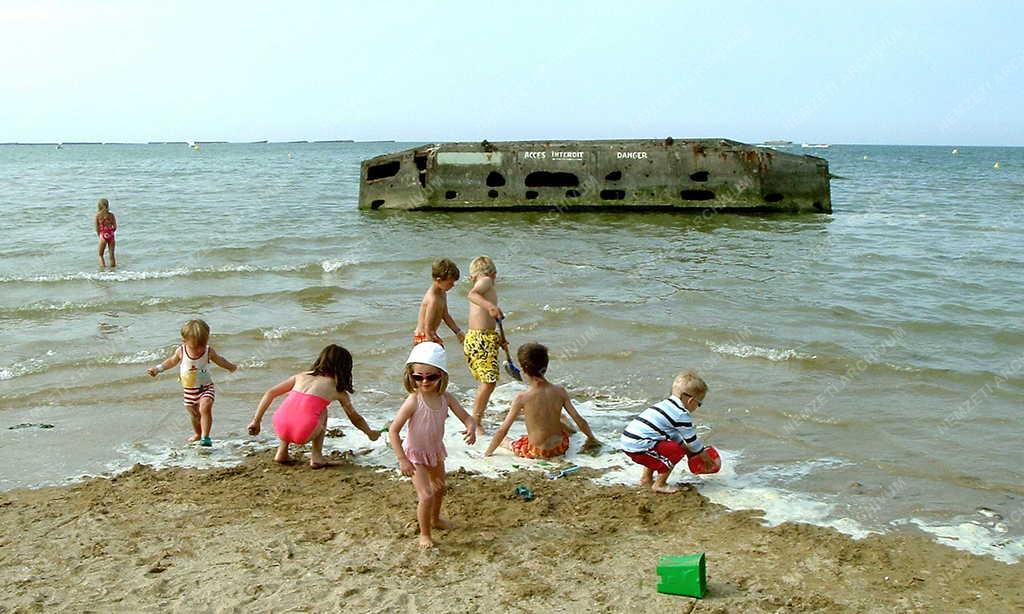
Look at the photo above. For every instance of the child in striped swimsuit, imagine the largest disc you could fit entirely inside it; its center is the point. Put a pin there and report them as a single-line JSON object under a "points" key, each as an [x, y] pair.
{"points": [[194, 356]]}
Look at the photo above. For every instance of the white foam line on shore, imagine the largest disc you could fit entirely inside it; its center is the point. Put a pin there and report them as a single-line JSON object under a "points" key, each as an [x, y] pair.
{"points": [[735, 491], [974, 538]]}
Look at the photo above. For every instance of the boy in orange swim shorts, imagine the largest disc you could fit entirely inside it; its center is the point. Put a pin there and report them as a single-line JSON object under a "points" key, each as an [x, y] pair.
{"points": [[434, 307], [541, 404]]}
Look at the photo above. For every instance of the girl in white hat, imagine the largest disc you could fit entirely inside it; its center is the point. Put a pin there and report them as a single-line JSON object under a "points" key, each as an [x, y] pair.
{"points": [[422, 454]]}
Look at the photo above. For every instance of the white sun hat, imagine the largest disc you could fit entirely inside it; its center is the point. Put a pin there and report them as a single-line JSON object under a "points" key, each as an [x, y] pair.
{"points": [[429, 353]]}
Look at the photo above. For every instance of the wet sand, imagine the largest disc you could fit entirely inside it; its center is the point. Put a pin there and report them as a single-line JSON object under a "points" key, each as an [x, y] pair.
{"points": [[264, 537]]}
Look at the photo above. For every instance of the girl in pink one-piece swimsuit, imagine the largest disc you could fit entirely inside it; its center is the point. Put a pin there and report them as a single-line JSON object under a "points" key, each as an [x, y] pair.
{"points": [[421, 456], [302, 417]]}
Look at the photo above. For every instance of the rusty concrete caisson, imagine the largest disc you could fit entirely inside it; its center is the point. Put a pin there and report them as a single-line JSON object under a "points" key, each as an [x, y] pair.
{"points": [[694, 174]]}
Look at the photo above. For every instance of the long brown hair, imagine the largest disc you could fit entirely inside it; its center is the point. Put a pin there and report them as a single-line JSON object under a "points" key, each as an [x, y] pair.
{"points": [[335, 361]]}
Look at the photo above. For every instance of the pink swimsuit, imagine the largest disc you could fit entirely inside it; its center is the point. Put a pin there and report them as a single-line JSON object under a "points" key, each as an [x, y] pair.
{"points": [[106, 231], [424, 438], [298, 416]]}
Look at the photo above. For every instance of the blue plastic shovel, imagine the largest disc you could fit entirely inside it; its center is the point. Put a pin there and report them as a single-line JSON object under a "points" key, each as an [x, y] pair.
{"points": [[510, 367]]}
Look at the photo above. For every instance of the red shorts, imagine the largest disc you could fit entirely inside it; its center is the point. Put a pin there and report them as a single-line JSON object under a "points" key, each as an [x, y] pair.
{"points": [[418, 338], [662, 457], [524, 449]]}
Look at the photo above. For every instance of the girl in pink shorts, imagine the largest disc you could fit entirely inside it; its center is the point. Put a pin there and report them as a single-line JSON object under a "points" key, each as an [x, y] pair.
{"points": [[422, 455], [302, 417]]}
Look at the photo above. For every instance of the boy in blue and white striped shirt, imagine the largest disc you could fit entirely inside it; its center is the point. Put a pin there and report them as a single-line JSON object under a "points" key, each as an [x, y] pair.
{"points": [[664, 433]]}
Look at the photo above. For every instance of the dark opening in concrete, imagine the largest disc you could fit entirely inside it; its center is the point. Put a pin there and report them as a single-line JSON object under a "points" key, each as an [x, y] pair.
{"points": [[377, 204], [613, 176], [572, 194], [697, 195], [699, 176], [817, 205], [613, 194], [450, 194], [774, 197], [495, 179], [530, 195], [492, 193], [382, 171], [421, 166], [547, 179]]}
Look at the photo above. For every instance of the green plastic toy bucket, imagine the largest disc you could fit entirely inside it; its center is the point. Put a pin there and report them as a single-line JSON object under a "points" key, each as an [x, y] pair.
{"points": [[683, 575]]}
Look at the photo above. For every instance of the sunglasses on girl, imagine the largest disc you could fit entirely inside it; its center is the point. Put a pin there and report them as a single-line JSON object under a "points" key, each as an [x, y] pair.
{"points": [[426, 377]]}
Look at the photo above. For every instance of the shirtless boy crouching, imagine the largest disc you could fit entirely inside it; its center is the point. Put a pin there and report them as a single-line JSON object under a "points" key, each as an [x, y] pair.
{"points": [[542, 404]]}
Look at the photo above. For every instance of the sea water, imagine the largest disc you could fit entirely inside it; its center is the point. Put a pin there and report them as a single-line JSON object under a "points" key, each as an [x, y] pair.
{"points": [[866, 368]]}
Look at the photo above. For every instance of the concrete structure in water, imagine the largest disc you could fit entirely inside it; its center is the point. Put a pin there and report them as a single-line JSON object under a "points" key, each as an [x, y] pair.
{"points": [[692, 174]]}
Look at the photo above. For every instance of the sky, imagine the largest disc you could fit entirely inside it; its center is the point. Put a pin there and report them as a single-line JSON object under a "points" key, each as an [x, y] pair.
{"points": [[928, 73]]}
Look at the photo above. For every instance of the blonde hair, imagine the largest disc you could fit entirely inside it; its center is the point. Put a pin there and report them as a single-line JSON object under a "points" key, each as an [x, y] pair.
{"points": [[410, 386], [196, 330], [444, 269], [688, 382], [481, 265], [103, 205]]}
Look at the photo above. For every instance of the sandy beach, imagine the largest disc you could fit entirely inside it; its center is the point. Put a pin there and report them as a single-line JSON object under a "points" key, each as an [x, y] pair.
{"points": [[262, 537]]}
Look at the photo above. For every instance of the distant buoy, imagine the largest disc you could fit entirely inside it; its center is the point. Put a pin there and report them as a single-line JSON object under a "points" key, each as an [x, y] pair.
{"points": [[864, 158], [996, 165], [289, 156], [955, 152]]}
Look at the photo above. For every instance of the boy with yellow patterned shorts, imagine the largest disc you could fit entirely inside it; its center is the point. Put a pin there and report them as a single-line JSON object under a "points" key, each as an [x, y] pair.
{"points": [[482, 340]]}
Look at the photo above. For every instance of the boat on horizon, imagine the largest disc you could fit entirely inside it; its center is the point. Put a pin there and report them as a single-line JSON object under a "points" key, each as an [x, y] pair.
{"points": [[815, 145]]}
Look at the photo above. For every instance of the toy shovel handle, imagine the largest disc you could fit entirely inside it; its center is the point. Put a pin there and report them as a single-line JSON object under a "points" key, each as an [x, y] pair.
{"points": [[504, 342], [511, 367]]}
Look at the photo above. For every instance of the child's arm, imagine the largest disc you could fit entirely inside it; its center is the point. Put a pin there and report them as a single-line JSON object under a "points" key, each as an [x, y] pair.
{"points": [[113, 221], [469, 435], [96, 221], [578, 419], [404, 413], [499, 435], [222, 362], [171, 361], [450, 321], [355, 418], [476, 296], [268, 398]]}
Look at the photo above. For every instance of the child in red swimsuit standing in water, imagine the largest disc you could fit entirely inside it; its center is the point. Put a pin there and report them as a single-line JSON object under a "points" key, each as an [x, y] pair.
{"points": [[106, 226], [302, 417]]}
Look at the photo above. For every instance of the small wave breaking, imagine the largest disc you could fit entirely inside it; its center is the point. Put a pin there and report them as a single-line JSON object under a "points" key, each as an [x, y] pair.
{"points": [[754, 351]]}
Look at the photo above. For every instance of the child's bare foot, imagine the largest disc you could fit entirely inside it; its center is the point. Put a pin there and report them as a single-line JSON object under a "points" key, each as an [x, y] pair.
{"points": [[194, 438], [645, 482], [664, 489], [282, 458], [425, 542], [443, 523]]}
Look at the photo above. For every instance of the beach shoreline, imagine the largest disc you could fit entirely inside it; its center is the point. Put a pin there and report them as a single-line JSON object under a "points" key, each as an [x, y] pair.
{"points": [[262, 537]]}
